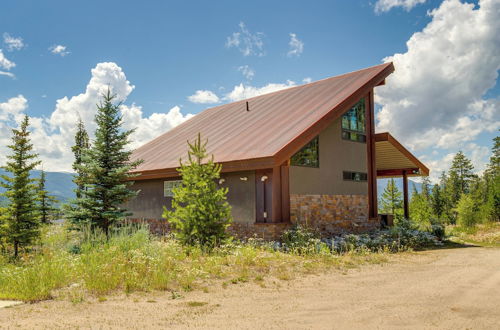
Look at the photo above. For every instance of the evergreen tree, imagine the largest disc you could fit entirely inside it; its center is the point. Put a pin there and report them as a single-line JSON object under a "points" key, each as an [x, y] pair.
{"points": [[437, 201], [19, 220], [426, 187], [200, 212], [392, 201], [46, 202], [106, 166], [492, 183], [460, 177], [420, 207], [82, 144], [448, 214]]}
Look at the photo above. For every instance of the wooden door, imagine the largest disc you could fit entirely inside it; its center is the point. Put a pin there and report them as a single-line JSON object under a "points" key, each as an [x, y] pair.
{"points": [[263, 195]]}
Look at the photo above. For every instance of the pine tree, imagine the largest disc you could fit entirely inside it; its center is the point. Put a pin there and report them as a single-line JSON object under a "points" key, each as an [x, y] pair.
{"points": [[106, 166], [82, 144], [19, 219], [200, 212], [46, 203], [392, 201], [437, 201], [460, 177], [492, 183]]}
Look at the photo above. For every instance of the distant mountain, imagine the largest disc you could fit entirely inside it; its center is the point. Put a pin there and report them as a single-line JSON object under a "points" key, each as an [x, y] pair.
{"points": [[382, 183], [59, 184]]}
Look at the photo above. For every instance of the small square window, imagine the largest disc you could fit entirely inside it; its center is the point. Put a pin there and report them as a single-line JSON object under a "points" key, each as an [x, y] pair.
{"points": [[355, 176]]}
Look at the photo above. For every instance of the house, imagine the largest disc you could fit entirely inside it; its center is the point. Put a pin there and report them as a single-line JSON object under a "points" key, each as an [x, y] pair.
{"points": [[306, 154]]}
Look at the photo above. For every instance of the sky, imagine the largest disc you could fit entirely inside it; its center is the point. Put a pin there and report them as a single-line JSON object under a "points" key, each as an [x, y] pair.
{"points": [[168, 60]]}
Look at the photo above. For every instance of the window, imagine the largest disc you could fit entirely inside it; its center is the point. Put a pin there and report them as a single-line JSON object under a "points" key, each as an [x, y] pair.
{"points": [[355, 176], [169, 185], [353, 123], [308, 155]]}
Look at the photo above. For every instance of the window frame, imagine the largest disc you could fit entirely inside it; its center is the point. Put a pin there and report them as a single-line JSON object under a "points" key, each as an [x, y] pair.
{"points": [[350, 131], [301, 149], [352, 173]]}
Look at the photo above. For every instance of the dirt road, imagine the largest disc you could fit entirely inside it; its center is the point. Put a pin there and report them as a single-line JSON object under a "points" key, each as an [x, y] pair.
{"points": [[442, 289]]}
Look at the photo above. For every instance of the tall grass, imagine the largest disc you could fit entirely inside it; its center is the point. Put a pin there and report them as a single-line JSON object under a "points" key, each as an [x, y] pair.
{"points": [[70, 264]]}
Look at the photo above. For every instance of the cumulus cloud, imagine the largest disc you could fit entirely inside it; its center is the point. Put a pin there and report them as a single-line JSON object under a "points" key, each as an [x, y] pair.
{"points": [[246, 71], [296, 46], [204, 96], [59, 50], [246, 42], [242, 91], [5, 63], [386, 5], [12, 43], [53, 136], [435, 96]]}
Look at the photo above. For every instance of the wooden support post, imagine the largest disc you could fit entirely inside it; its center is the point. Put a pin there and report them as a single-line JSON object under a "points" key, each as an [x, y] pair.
{"points": [[285, 192], [370, 152], [276, 191], [405, 196]]}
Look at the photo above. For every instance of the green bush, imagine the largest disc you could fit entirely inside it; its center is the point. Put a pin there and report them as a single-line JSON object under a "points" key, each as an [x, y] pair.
{"points": [[300, 240], [466, 213]]}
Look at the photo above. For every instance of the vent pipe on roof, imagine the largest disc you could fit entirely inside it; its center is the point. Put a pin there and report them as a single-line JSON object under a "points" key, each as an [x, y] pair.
{"points": [[248, 109]]}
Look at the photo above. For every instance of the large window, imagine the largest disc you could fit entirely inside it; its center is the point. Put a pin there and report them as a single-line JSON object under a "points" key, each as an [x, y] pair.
{"points": [[308, 155], [353, 123]]}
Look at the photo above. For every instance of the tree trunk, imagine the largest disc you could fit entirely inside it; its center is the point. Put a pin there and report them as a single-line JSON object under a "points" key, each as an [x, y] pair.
{"points": [[16, 249]]}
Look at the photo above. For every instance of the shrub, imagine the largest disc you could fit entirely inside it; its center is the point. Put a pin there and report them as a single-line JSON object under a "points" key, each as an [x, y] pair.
{"points": [[300, 240]]}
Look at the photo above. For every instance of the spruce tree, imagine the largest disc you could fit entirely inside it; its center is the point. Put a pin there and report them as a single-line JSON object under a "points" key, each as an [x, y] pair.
{"points": [[106, 166], [19, 219], [460, 177], [420, 207], [82, 144], [437, 201], [492, 182], [200, 212], [391, 201], [46, 203]]}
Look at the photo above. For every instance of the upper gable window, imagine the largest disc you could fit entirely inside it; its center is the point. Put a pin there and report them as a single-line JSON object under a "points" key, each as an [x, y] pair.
{"points": [[308, 155], [353, 123]]}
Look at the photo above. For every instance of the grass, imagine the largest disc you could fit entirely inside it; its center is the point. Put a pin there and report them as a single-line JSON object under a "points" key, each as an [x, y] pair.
{"points": [[487, 234], [70, 267]]}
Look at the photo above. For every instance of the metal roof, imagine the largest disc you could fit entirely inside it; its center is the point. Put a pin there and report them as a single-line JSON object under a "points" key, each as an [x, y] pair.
{"points": [[273, 122]]}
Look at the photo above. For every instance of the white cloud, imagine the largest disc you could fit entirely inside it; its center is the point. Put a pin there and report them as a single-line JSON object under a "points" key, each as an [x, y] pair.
{"points": [[5, 63], [435, 96], [247, 71], [12, 43], [241, 91], [8, 74], [296, 46], [307, 80], [246, 42], [204, 96], [386, 5], [53, 136], [435, 100], [59, 50]]}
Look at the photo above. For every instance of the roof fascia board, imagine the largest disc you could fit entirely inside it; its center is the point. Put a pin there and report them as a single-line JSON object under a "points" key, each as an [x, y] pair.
{"points": [[296, 144]]}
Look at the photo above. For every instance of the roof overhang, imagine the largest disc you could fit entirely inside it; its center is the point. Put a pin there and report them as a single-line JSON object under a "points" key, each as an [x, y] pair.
{"points": [[393, 160]]}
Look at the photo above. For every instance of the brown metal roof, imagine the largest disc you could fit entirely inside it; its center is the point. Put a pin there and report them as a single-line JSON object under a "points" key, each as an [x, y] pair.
{"points": [[269, 133], [392, 158]]}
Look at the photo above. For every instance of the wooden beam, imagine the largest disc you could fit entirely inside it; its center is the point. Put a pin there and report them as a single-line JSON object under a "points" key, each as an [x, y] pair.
{"points": [[405, 196], [276, 193], [397, 172], [371, 157], [285, 192]]}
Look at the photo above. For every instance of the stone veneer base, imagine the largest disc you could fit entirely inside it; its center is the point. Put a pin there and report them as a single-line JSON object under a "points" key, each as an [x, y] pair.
{"points": [[332, 214]]}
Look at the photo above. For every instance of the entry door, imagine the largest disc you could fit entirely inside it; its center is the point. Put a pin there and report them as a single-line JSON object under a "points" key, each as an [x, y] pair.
{"points": [[263, 195]]}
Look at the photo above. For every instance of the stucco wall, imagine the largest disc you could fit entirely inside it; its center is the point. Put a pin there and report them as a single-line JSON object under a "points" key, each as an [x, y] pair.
{"points": [[150, 201], [335, 156]]}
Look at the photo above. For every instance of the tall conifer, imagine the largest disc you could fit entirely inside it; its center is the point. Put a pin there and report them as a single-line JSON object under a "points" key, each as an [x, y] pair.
{"points": [[82, 144], [19, 219], [46, 203], [106, 166], [392, 201]]}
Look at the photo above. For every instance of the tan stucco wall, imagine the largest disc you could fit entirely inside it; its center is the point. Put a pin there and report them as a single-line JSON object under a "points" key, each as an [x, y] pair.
{"points": [[335, 156], [150, 201]]}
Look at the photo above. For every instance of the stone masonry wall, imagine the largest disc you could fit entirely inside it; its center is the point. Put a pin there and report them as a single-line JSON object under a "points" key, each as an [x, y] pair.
{"points": [[332, 214]]}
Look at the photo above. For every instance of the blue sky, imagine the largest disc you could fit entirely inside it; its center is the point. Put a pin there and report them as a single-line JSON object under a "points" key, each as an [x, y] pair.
{"points": [[169, 50]]}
